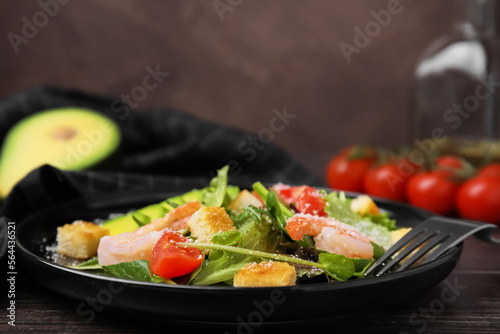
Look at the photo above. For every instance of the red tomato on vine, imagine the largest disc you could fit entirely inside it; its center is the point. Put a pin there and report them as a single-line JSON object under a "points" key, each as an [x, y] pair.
{"points": [[479, 199], [434, 191], [346, 171], [386, 181]]}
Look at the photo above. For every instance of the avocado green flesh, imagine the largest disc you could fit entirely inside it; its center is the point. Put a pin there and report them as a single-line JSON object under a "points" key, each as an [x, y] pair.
{"points": [[127, 223], [66, 138]]}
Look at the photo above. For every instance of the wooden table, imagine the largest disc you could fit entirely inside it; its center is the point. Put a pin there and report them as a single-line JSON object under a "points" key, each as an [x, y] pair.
{"points": [[473, 308]]}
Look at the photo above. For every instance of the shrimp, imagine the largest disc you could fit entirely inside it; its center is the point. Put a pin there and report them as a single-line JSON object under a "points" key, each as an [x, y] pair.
{"points": [[330, 235], [347, 243], [138, 245]]}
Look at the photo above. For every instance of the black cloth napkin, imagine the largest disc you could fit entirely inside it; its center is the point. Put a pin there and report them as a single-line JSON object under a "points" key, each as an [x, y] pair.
{"points": [[160, 148]]}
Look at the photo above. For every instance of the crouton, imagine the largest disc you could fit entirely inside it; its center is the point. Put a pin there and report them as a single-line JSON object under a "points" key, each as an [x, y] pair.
{"points": [[363, 204], [207, 221], [79, 239], [244, 199], [265, 274]]}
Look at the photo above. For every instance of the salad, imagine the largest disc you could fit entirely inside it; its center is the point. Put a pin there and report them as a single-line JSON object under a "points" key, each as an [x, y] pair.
{"points": [[224, 235]]}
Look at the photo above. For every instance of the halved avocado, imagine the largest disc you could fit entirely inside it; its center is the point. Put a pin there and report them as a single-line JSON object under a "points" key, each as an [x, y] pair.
{"points": [[67, 138]]}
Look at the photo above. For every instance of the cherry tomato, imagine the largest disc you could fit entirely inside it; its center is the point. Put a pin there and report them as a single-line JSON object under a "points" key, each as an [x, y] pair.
{"points": [[347, 170], [169, 260], [310, 201], [386, 181], [432, 191], [306, 199], [492, 169], [288, 193], [479, 199], [449, 161]]}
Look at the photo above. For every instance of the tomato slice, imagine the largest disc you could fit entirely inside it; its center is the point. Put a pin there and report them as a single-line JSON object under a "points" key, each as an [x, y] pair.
{"points": [[170, 261], [306, 199], [310, 201], [288, 194]]}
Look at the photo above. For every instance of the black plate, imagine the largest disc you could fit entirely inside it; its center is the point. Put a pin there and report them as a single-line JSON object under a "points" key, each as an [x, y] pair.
{"points": [[214, 303]]}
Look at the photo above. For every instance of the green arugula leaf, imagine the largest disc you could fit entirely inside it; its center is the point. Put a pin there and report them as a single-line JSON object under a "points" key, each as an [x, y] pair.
{"points": [[222, 269], [222, 265], [263, 192], [360, 264], [90, 264], [158, 279], [249, 213], [377, 250], [275, 211], [337, 266], [217, 189], [260, 231], [135, 270], [226, 238], [339, 207], [256, 232]]}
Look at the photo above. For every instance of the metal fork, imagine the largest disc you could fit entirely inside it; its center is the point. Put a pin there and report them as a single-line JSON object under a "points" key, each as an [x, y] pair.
{"points": [[433, 237]]}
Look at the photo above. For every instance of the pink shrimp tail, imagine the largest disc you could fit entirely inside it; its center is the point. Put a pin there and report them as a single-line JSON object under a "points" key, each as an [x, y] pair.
{"points": [[301, 224], [138, 245]]}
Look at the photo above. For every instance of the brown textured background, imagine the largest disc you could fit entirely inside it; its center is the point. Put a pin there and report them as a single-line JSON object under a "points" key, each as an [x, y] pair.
{"points": [[263, 55]]}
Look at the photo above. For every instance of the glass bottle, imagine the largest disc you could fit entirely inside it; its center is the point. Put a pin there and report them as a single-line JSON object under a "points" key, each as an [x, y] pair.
{"points": [[457, 86]]}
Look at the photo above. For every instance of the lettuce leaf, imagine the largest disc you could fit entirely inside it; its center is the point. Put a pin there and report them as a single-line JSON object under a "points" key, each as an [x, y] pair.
{"points": [[339, 207], [337, 266], [376, 228], [135, 270], [256, 231], [382, 219], [216, 191], [90, 264]]}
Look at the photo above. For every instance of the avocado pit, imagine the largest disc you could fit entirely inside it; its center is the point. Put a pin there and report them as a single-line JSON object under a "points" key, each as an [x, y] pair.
{"points": [[63, 133]]}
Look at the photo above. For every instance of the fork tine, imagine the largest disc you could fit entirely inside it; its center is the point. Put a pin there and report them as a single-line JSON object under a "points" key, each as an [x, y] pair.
{"points": [[408, 250], [461, 230], [452, 241], [436, 235], [439, 240], [406, 239]]}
